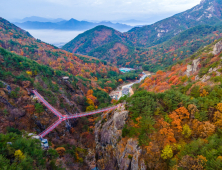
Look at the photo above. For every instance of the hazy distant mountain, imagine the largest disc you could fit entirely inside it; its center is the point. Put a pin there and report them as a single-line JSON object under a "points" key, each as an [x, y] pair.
{"points": [[71, 24], [38, 19]]}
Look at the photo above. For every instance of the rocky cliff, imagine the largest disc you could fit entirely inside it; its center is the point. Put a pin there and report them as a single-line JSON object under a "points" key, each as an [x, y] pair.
{"points": [[112, 151]]}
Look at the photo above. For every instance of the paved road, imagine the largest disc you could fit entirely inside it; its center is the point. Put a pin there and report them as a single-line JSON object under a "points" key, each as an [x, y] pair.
{"points": [[129, 86]]}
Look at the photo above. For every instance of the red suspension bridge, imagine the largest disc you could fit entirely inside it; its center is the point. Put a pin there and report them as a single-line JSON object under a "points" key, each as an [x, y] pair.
{"points": [[65, 117]]}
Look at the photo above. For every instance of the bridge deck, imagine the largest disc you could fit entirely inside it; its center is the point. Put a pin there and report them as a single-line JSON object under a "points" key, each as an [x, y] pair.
{"points": [[65, 117]]}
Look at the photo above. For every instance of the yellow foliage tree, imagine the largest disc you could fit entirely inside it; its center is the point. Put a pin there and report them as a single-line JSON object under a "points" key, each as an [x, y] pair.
{"points": [[90, 102], [186, 131], [89, 92], [203, 93], [90, 108], [218, 118], [167, 152], [29, 73], [19, 155], [219, 107]]}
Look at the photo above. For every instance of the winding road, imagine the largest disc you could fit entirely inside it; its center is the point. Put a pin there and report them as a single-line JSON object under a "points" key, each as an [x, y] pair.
{"points": [[129, 86]]}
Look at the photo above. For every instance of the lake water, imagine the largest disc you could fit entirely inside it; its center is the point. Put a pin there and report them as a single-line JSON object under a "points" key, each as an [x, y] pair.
{"points": [[55, 37]]}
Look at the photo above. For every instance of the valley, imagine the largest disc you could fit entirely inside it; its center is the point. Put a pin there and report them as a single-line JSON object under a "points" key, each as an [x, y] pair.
{"points": [[148, 98]]}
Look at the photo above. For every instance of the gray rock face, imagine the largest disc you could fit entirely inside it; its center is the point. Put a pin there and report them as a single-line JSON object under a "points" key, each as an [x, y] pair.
{"points": [[214, 69], [197, 78], [111, 130], [113, 152], [205, 78], [192, 68], [143, 165], [195, 64], [90, 159], [189, 70], [131, 149], [217, 48]]}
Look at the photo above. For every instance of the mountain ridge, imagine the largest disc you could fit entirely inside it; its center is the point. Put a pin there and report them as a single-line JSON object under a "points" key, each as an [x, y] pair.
{"points": [[150, 37], [207, 12], [71, 24]]}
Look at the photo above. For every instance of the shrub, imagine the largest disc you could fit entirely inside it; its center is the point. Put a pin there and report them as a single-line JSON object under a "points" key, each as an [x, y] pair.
{"points": [[125, 131], [13, 130]]}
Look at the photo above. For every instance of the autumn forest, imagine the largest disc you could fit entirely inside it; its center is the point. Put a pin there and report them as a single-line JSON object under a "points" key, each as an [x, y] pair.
{"points": [[168, 102]]}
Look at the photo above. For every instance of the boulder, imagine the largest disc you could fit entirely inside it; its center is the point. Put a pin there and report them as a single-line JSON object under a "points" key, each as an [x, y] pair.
{"points": [[192, 68], [217, 48], [135, 160], [195, 64], [189, 69]]}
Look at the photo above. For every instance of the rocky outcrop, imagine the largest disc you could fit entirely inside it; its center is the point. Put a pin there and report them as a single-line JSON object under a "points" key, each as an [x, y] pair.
{"points": [[90, 159], [112, 151], [192, 68], [110, 131], [214, 69], [128, 157], [217, 48], [207, 77]]}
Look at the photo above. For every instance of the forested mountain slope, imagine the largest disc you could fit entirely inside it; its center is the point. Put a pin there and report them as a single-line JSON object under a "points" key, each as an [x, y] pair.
{"points": [[208, 12], [17, 40], [114, 47], [94, 38], [155, 46], [179, 47], [99, 72], [174, 119], [43, 67], [21, 111]]}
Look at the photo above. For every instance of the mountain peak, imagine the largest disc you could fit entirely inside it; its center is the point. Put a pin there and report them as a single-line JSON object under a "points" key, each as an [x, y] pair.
{"points": [[202, 1], [72, 19]]}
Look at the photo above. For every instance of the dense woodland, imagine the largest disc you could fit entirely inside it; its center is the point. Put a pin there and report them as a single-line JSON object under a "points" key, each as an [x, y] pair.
{"points": [[107, 44], [25, 153], [22, 43], [19, 111], [94, 73], [177, 119], [174, 115], [23, 68]]}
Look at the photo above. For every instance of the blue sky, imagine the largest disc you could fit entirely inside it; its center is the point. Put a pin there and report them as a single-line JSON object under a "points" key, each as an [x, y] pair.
{"points": [[145, 10]]}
